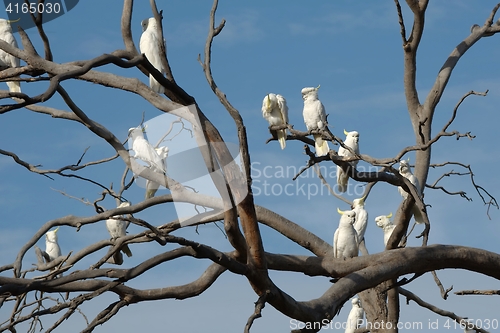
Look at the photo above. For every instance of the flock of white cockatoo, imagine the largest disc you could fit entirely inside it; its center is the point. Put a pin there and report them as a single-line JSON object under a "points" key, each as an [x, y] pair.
{"points": [[154, 157], [149, 45], [352, 225], [275, 111]]}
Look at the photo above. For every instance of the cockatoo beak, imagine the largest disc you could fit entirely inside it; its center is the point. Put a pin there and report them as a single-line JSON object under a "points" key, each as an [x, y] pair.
{"points": [[389, 216], [345, 132], [339, 211]]}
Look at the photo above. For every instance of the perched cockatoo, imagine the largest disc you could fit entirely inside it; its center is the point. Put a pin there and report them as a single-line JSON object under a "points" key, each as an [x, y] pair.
{"points": [[6, 59], [345, 240], [351, 141], [356, 315], [275, 111], [361, 221], [52, 247], [151, 186], [387, 226], [404, 170], [144, 151], [315, 118], [118, 228], [150, 46]]}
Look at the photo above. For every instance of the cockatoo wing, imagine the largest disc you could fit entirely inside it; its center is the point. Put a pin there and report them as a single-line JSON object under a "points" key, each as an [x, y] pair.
{"points": [[283, 108], [151, 186], [342, 180], [322, 115], [149, 45], [335, 243], [417, 214], [361, 223]]}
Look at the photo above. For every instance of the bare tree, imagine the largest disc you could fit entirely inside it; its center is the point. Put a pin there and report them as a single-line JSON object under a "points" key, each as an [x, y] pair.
{"points": [[55, 288]]}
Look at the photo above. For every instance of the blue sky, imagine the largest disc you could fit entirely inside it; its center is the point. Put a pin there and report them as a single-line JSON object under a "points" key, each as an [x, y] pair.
{"points": [[354, 51]]}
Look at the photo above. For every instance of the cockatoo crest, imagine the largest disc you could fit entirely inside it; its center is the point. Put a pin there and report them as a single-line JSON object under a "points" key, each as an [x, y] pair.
{"points": [[358, 202], [309, 91], [347, 216], [51, 236], [383, 220], [387, 226], [352, 138], [52, 248]]}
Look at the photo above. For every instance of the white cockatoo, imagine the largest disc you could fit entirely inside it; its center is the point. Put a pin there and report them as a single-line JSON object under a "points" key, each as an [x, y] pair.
{"points": [[150, 46], [144, 151], [151, 186], [351, 141], [6, 59], [315, 118], [384, 222], [355, 317], [345, 240], [52, 247], [361, 221], [275, 111], [118, 228], [404, 170]]}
